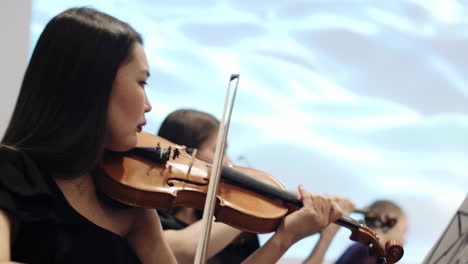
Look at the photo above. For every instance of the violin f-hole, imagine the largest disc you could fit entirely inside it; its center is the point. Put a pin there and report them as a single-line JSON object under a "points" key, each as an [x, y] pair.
{"points": [[171, 182]]}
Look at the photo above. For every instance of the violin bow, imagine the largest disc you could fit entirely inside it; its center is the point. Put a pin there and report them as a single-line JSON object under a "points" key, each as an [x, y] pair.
{"points": [[210, 202]]}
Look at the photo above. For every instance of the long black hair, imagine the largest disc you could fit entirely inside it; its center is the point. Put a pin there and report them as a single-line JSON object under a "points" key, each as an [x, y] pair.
{"points": [[61, 112]]}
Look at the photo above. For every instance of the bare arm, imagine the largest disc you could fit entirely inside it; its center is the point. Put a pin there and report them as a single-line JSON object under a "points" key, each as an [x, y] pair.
{"points": [[326, 236], [184, 241], [318, 253], [147, 239], [317, 213], [5, 234]]}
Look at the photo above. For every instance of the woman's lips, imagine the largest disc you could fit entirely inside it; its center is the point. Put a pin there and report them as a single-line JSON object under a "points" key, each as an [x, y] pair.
{"points": [[140, 126]]}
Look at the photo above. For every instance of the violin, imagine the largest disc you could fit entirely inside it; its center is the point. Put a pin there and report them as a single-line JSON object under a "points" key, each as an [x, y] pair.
{"points": [[160, 174]]}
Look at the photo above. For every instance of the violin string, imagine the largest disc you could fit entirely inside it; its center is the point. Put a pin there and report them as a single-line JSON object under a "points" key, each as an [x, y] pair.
{"points": [[192, 160], [274, 193], [245, 180]]}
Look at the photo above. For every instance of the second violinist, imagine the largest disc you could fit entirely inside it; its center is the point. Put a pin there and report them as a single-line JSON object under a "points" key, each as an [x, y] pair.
{"points": [[388, 220], [198, 130]]}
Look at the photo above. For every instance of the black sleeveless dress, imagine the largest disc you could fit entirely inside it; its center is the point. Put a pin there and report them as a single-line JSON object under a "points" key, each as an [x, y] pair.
{"points": [[46, 228]]}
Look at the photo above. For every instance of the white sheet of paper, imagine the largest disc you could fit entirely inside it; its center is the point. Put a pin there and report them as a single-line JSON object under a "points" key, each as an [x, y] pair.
{"points": [[452, 246]]}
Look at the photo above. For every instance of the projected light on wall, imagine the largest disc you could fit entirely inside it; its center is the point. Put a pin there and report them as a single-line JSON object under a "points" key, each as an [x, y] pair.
{"points": [[363, 99]]}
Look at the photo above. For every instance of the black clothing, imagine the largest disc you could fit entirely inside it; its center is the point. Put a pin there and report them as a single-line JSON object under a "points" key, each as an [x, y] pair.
{"points": [[356, 254], [46, 229], [234, 253]]}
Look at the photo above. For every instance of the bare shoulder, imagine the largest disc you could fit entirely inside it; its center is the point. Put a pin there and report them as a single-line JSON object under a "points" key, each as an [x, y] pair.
{"points": [[145, 219], [147, 239], [81, 194], [8, 147], [4, 218]]}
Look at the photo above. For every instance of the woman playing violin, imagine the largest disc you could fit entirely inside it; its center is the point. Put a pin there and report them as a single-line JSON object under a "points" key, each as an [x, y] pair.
{"points": [[83, 94]]}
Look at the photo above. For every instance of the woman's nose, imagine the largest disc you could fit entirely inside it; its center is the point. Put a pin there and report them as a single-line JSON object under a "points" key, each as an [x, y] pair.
{"points": [[147, 104]]}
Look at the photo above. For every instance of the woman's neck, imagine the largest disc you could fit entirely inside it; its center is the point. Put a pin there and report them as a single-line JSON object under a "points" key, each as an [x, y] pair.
{"points": [[76, 185]]}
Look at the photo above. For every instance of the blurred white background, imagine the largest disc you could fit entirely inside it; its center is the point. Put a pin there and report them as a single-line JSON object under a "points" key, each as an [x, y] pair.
{"points": [[365, 99]]}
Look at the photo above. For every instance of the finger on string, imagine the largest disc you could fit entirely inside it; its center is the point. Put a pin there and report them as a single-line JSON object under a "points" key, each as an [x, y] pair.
{"points": [[326, 204], [302, 192], [309, 200], [335, 211]]}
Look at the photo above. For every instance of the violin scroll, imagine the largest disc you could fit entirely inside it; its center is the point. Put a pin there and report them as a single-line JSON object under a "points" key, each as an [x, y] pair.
{"points": [[392, 252]]}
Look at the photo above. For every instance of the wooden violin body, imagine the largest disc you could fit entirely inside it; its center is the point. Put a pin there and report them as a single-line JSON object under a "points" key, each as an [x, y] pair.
{"points": [[160, 174], [183, 181]]}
